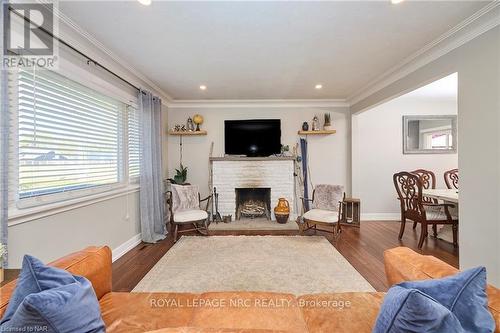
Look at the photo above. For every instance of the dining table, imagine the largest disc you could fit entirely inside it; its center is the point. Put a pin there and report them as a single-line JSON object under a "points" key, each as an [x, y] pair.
{"points": [[447, 196]]}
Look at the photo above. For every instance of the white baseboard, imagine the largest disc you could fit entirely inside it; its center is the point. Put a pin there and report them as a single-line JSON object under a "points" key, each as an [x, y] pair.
{"points": [[125, 247], [381, 217]]}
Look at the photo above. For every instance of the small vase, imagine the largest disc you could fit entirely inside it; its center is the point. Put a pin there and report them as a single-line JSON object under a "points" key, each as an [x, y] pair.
{"points": [[282, 211], [305, 126]]}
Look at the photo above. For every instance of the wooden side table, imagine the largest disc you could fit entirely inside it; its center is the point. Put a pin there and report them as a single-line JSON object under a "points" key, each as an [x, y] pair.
{"points": [[351, 214]]}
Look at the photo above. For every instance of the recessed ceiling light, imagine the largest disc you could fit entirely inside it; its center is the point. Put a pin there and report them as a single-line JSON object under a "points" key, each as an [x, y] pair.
{"points": [[203, 87], [318, 86], [145, 2], [395, 2]]}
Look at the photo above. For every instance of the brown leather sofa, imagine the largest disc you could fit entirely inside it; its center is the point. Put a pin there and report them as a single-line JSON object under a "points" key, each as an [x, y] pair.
{"points": [[244, 312]]}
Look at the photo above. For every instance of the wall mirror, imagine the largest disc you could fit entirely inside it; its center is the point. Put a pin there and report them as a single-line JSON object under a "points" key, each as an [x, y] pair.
{"points": [[430, 134]]}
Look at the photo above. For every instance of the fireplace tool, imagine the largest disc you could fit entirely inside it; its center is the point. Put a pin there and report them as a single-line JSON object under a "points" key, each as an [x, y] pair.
{"points": [[216, 215]]}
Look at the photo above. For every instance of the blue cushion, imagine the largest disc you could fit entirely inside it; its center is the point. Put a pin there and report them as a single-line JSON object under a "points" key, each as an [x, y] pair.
{"points": [[49, 299], [410, 310], [464, 294]]}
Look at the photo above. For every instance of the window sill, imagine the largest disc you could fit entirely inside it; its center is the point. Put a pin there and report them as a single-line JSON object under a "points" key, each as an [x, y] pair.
{"points": [[18, 216]]}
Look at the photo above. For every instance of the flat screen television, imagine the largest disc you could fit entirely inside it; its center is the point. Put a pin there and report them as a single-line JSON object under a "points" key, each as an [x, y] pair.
{"points": [[257, 137]]}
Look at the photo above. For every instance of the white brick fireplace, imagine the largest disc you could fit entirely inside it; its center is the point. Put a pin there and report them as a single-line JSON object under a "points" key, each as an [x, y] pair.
{"points": [[276, 173]]}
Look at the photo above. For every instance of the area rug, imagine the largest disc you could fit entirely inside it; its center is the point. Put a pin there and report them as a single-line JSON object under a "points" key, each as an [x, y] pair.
{"points": [[254, 224], [289, 264]]}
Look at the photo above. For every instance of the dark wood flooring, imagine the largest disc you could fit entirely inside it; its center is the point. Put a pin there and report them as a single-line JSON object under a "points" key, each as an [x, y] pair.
{"points": [[363, 248]]}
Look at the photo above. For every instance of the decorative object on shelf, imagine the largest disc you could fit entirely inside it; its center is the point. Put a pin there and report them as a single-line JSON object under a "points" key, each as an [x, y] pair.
{"points": [[285, 149], [315, 124], [177, 128], [227, 218], [305, 126], [3, 250], [282, 211], [183, 128], [198, 120], [180, 176], [327, 126], [190, 125], [351, 212]]}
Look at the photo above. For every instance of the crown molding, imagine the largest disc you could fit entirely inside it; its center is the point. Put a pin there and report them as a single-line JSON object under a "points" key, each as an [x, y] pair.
{"points": [[480, 22], [92, 40], [254, 103]]}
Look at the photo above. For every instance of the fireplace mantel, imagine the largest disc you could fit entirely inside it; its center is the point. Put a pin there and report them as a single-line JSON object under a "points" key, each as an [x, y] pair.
{"points": [[232, 172]]}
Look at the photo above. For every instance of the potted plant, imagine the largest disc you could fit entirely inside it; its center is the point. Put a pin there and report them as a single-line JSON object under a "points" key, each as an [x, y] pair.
{"points": [[328, 125], [3, 250], [180, 176]]}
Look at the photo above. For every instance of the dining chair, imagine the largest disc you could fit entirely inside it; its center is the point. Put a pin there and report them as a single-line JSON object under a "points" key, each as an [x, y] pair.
{"points": [[409, 187], [451, 179], [428, 179], [326, 211], [184, 202]]}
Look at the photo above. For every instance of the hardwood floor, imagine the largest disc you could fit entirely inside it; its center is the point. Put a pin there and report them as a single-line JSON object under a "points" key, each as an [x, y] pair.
{"points": [[363, 248]]}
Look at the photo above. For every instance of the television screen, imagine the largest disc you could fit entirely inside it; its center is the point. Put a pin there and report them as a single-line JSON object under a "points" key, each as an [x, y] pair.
{"points": [[259, 137]]}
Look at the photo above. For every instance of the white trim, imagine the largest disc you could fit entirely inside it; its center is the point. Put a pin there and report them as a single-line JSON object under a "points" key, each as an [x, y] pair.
{"points": [[122, 249], [380, 217], [18, 216], [83, 33], [480, 22], [252, 103]]}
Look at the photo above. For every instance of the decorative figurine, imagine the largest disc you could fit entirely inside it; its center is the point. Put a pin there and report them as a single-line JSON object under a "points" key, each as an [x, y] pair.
{"points": [[190, 125], [177, 128], [305, 126], [315, 124]]}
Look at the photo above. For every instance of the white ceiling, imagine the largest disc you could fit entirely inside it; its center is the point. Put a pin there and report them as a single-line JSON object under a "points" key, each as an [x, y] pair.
{"points": [[445, 89], [265, 50]]}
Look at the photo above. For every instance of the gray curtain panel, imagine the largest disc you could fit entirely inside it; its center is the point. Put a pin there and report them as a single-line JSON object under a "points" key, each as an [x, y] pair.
{"points": [[153, 227]]}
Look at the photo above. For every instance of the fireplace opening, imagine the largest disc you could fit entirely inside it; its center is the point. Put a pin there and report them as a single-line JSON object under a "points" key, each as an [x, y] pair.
{"points": [[253, 202]]}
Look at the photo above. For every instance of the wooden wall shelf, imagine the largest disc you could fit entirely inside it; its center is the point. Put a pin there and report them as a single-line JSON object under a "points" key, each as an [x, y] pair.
{"points": [[182, 133], [321, 132]]}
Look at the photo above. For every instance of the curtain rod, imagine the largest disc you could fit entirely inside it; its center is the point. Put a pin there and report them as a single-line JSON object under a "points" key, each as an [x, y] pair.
{"points": [[89, 59]]}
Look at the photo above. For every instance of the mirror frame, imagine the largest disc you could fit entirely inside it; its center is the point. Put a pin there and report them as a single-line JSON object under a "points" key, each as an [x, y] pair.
{"points": [[407, 119]]}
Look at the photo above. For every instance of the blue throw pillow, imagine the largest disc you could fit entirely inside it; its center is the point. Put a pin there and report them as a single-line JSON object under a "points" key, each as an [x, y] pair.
{"points": [[410, 310], [49, 299], [464, 294]]}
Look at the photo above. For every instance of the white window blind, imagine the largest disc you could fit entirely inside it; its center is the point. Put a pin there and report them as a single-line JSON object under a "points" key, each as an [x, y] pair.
{"points": [[70, 137], [134, 148]]}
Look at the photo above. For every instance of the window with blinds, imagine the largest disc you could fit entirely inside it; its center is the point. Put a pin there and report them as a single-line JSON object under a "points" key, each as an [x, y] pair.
{"points": [[70, 137], [134, 148]]}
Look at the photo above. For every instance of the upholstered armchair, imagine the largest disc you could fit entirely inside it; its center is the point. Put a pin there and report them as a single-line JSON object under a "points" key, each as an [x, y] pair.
{"points": [[326, 209], [184, 202]]}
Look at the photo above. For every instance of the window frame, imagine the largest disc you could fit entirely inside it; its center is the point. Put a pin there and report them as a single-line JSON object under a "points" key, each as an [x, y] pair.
{"points": [[92, 82]]}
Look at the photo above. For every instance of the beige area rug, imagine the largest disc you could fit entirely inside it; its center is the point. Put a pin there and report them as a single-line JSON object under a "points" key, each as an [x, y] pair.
{"points": [[289, 264], [254, 224]]}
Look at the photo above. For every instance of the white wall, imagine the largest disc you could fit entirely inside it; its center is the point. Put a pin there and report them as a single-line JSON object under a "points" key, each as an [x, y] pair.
{"points": [[328, 155], [378, 152], [478, 65]]}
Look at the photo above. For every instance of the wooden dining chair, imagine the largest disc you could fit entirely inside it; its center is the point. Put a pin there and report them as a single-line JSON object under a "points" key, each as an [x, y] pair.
{"points": [[409, 187], [451, 179], [428, 179]]}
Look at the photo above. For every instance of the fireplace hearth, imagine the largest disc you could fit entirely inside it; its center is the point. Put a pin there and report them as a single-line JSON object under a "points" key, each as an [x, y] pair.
{"points": [[253, 202]]}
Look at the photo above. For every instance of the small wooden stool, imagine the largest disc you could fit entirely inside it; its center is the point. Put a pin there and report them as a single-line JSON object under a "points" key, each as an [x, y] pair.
{"points": [[351, 212]]}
